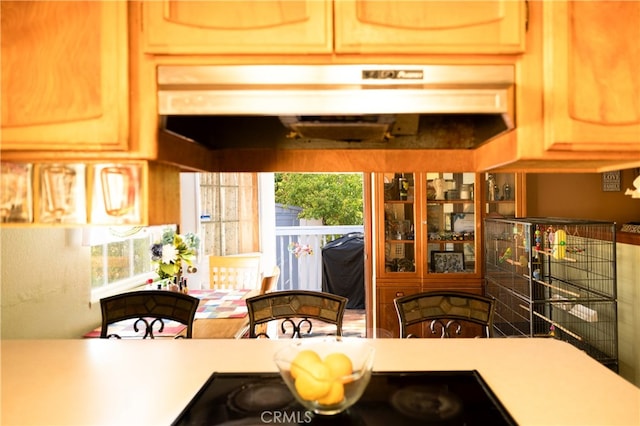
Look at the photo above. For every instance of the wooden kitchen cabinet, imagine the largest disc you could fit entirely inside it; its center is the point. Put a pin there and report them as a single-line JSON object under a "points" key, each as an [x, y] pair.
{"points": [[583, 122], [428, 229], [425, 225], [359, 26], [426, 27], [387, 318], [592, 75], [64, 76], [223, 27]]}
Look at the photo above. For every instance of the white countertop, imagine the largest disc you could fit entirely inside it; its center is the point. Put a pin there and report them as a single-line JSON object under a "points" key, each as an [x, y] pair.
{"points": [[116, 382]]}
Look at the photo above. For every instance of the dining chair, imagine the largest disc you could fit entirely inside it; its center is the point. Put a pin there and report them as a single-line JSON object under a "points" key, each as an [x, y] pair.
{"points": [[269, 282], [150, 308], [448, 313], [297, 309], [235, 272]]}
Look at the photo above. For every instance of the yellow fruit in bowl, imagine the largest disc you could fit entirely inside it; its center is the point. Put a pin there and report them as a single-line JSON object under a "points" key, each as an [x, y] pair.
{"points": [[303, 360], [313, 382], [335, 395], [339, 365]]}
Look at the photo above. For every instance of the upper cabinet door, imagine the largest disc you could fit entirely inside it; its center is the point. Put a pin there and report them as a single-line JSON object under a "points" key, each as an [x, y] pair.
{"points": [[64, 75], [203, 27], [592, 75], [467, 27]]}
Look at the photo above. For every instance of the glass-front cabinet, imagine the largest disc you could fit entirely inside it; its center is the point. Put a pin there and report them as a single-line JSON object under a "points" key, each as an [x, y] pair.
{"points": [[428, 224], [429, 236]]}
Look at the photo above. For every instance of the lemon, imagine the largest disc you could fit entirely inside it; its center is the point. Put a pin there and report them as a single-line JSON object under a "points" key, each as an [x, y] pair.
{"points": [[339, 365], [303, 360], [335, 395], [313, 382]]}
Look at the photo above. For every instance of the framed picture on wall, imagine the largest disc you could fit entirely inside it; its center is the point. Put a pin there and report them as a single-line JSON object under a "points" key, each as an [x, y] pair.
{"points": [[447, 261], [611, 181]]}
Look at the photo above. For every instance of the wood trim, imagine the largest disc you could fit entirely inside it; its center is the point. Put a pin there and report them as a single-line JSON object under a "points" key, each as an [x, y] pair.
{"points": [[369, 285], [163, 199], [342, 160], [628, 238], [185, 153]]}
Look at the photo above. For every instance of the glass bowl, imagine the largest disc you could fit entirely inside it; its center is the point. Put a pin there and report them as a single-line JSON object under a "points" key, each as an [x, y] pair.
{"points": [[326, 375]]}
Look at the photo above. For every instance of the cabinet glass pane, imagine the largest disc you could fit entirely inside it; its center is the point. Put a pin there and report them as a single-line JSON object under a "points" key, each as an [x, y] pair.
{"points": [[399, 222], [450, 223], [500, 194]]}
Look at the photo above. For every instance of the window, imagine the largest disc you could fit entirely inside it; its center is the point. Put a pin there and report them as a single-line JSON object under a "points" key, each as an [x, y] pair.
{"points": [[228, 219], [227, 224], [120, 258]]}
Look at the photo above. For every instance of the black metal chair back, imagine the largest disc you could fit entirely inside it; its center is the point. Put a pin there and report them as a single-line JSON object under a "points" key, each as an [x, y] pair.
{"points": [[448, 313], [150, 308], [296, 309]]}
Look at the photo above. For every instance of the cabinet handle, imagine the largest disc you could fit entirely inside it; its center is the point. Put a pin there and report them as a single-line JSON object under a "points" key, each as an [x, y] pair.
{"points": [[399, 293]]}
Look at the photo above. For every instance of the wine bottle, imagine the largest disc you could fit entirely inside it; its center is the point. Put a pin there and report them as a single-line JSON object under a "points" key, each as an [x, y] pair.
{"points": [[403, 187]]}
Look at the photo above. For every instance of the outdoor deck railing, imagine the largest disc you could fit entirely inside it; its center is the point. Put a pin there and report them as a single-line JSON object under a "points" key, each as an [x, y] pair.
{"points": [[305, 271]]}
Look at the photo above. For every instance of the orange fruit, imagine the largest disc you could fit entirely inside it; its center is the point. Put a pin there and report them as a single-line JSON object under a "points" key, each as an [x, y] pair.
{"points": [[303, 360], [313, 382], [335, 395], [339, 365]]}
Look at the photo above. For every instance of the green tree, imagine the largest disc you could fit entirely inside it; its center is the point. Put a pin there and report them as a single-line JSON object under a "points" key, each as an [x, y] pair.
{"points": [[334, 198]]}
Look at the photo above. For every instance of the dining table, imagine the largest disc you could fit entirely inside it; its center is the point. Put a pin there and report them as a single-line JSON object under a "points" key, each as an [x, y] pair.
{"points": [[540, 381], [221, 314]]}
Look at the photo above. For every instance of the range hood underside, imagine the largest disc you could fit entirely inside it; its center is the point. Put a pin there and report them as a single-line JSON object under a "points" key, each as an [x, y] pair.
{"points": [[407, 131]]}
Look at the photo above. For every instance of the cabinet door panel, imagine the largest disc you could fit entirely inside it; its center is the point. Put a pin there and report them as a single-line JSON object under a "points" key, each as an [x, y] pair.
{"points": [[399, 247], [430, 26], [237, 26], [388, 323], [236, 15], [501, 194], [451, 224], [599, 92], [428, 15], [593, 77], [64, 75]]}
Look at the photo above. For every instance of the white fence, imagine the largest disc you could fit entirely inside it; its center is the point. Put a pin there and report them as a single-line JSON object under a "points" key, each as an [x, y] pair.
{"points": [[305, 272]]}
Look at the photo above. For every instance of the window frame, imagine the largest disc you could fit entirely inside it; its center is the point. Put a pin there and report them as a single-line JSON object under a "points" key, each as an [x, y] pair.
{"points": [[103, 236]]}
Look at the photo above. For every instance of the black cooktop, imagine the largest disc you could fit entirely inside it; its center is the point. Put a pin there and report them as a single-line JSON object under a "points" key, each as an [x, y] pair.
{"points": [[407, 398]]}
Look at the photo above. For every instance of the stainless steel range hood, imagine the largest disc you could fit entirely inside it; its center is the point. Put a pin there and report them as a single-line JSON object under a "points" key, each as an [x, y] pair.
{"points": [[414, 106]]}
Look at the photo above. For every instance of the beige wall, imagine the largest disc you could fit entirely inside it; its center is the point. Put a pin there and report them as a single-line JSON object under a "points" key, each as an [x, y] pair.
{"points": [[45, 280], [628, 313], [580, 196]]}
